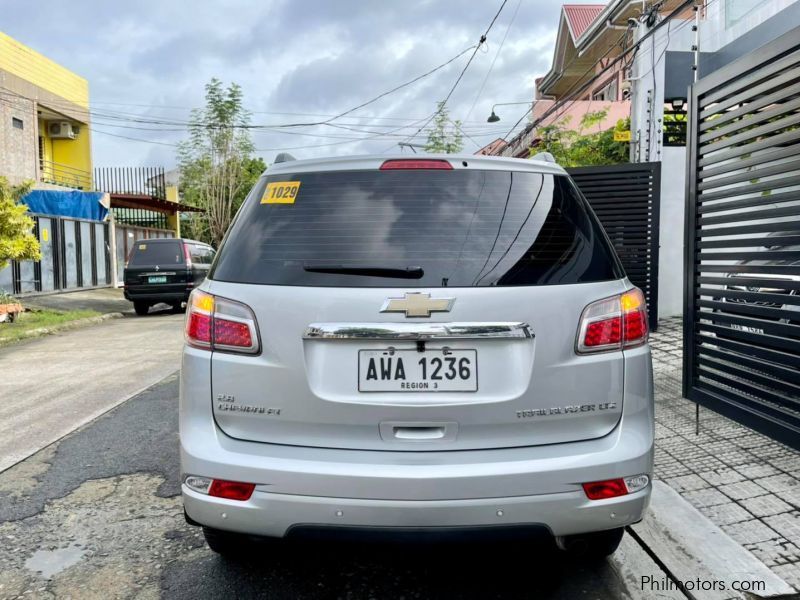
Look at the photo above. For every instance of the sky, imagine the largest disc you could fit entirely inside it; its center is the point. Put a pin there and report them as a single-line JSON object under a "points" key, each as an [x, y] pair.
{"points": [[296, 61]]}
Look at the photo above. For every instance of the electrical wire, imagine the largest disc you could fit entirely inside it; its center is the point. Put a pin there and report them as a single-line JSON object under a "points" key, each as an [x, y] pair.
{"points": [[494, 60], [613, 45], [571, 96], [88, 112], [481, 41]]}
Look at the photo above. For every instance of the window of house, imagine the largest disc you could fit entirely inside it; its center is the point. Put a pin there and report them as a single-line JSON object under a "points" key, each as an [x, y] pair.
{"points": [[608, 91], [17, 123]]}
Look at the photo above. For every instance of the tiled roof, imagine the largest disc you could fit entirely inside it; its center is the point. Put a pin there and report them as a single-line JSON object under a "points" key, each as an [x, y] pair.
{"points": [[580, 16]]}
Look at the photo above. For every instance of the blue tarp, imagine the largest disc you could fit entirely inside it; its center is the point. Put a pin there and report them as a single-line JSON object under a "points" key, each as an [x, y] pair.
{"points": [[72, 203]]}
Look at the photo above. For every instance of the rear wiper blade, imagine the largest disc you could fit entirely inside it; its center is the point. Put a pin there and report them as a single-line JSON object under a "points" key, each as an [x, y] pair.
{"points": [[368, 270]]}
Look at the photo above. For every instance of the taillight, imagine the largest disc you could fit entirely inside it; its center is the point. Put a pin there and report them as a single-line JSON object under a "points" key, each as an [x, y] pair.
{"points": [[613, 323], [214, 323], [416, 163], [187, 255]]}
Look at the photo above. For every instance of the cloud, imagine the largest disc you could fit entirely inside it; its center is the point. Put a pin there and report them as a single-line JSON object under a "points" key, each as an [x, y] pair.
{"points": [[151, 59]]}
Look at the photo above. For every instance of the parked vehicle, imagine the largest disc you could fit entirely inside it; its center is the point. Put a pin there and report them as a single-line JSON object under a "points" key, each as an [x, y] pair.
{"points": [[165, 270], [763, 298], [435, 346]]}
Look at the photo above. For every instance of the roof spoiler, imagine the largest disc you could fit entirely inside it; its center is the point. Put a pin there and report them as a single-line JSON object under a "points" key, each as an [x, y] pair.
{"points": [[283, 157], [544, 157]]}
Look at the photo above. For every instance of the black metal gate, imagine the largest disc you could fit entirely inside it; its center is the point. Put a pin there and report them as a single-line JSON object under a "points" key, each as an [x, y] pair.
{"points": [[742, 301], [626, 199]]}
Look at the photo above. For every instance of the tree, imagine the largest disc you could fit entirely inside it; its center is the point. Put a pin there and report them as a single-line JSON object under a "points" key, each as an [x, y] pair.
{"points": [[17, 241], [442, 138], [217, 169], [574, 148]]}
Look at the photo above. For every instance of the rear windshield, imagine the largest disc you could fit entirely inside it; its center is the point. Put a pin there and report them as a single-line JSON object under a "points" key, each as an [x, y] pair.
{"points": [[156, 253], [459, 228]]}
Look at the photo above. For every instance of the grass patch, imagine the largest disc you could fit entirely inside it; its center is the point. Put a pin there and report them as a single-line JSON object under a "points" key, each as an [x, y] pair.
{"points": [[28, 321]]}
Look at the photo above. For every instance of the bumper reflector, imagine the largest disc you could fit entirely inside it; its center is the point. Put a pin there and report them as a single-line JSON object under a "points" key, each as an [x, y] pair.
{"points": [[612, 488], [601, 490], [231, 490]]}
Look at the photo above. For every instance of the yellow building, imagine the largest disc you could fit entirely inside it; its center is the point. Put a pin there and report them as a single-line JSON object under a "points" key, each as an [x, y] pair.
{"points": [[44, 120]]}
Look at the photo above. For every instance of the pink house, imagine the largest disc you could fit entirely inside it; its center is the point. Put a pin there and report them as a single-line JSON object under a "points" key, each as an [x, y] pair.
{"points": [[574, 62]]}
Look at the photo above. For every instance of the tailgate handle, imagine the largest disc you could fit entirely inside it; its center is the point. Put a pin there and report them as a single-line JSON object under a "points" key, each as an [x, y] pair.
{"points": [[416, 431], [419, 433]]}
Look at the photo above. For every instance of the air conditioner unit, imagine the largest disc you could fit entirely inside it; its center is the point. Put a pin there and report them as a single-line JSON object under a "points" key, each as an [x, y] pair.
{"points": [[60, 130]]}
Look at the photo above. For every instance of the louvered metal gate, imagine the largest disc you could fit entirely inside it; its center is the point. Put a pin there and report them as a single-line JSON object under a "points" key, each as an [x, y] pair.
{"points": [[626, 199], [742, 306]]}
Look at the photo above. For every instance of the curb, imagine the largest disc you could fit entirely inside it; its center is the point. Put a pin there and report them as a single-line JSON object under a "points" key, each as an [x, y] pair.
{"points": [[76, 324], [690, 548]]}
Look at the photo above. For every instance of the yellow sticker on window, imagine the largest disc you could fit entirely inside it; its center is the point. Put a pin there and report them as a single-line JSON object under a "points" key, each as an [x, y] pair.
{"points": [[142, 246], [280, 192]]}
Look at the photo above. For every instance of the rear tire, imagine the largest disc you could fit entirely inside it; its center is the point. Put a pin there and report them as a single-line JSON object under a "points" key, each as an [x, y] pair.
{"points": [[593, 546], [177, 307], [141, 307]]}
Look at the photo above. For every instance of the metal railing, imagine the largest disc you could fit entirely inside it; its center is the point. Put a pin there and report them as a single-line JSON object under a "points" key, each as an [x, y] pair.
{"points": [[60, 174], [135, 181]]}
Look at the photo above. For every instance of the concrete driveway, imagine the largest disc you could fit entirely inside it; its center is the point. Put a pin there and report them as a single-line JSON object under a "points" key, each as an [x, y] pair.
{"points": [[98, 515], [52, 385]]}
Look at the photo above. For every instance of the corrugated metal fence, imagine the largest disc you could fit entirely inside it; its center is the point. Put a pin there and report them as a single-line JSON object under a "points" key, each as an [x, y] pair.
{"points": [[627, 199], [75, 254]]}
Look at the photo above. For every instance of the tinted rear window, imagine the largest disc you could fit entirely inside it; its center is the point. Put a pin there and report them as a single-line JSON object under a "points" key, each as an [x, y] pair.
{"points": [[156, 253], [463, 228]]}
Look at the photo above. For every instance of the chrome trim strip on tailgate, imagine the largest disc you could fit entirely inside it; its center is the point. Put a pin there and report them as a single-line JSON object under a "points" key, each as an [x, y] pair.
{"points": [[418, 331]]}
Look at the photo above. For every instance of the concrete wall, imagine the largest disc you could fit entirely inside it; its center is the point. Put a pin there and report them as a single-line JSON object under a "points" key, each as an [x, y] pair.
{"points": [[18, 156], [671, 232], [728, 20], [647, 113]]}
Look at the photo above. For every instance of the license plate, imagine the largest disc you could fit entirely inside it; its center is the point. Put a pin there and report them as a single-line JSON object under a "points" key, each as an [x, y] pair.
{"points": [[746, 328], [157, 279], [413, 371]]}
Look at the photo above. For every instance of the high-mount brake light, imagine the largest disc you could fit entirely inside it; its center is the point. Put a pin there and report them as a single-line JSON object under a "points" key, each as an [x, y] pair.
{"points": [[214, 323], [613, 323], [416, 163]]}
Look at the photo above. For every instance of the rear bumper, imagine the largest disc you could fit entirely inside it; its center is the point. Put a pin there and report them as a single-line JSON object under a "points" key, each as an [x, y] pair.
{"points": [[152, 294], [278, 515], [297, 486]]}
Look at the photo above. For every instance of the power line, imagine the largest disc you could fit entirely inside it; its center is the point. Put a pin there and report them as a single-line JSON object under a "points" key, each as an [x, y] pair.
{"points": [[481, 41], [613, 45], [138, 119], [494, 60], [570, 97]]}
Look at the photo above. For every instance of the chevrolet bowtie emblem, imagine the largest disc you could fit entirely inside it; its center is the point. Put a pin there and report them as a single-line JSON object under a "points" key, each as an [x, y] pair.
{"points": [[416, 304]]}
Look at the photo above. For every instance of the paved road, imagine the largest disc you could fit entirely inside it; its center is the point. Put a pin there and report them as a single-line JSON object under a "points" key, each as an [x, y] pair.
{"points": [[98, 515], [51, 385]]}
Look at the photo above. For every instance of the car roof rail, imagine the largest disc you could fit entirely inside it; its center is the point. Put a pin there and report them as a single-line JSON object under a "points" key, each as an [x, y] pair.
{"points": [[283, 157], [544, 157]]}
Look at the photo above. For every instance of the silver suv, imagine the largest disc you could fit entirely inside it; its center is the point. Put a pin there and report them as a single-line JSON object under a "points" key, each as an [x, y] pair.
{"points": [[425, 347]]}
